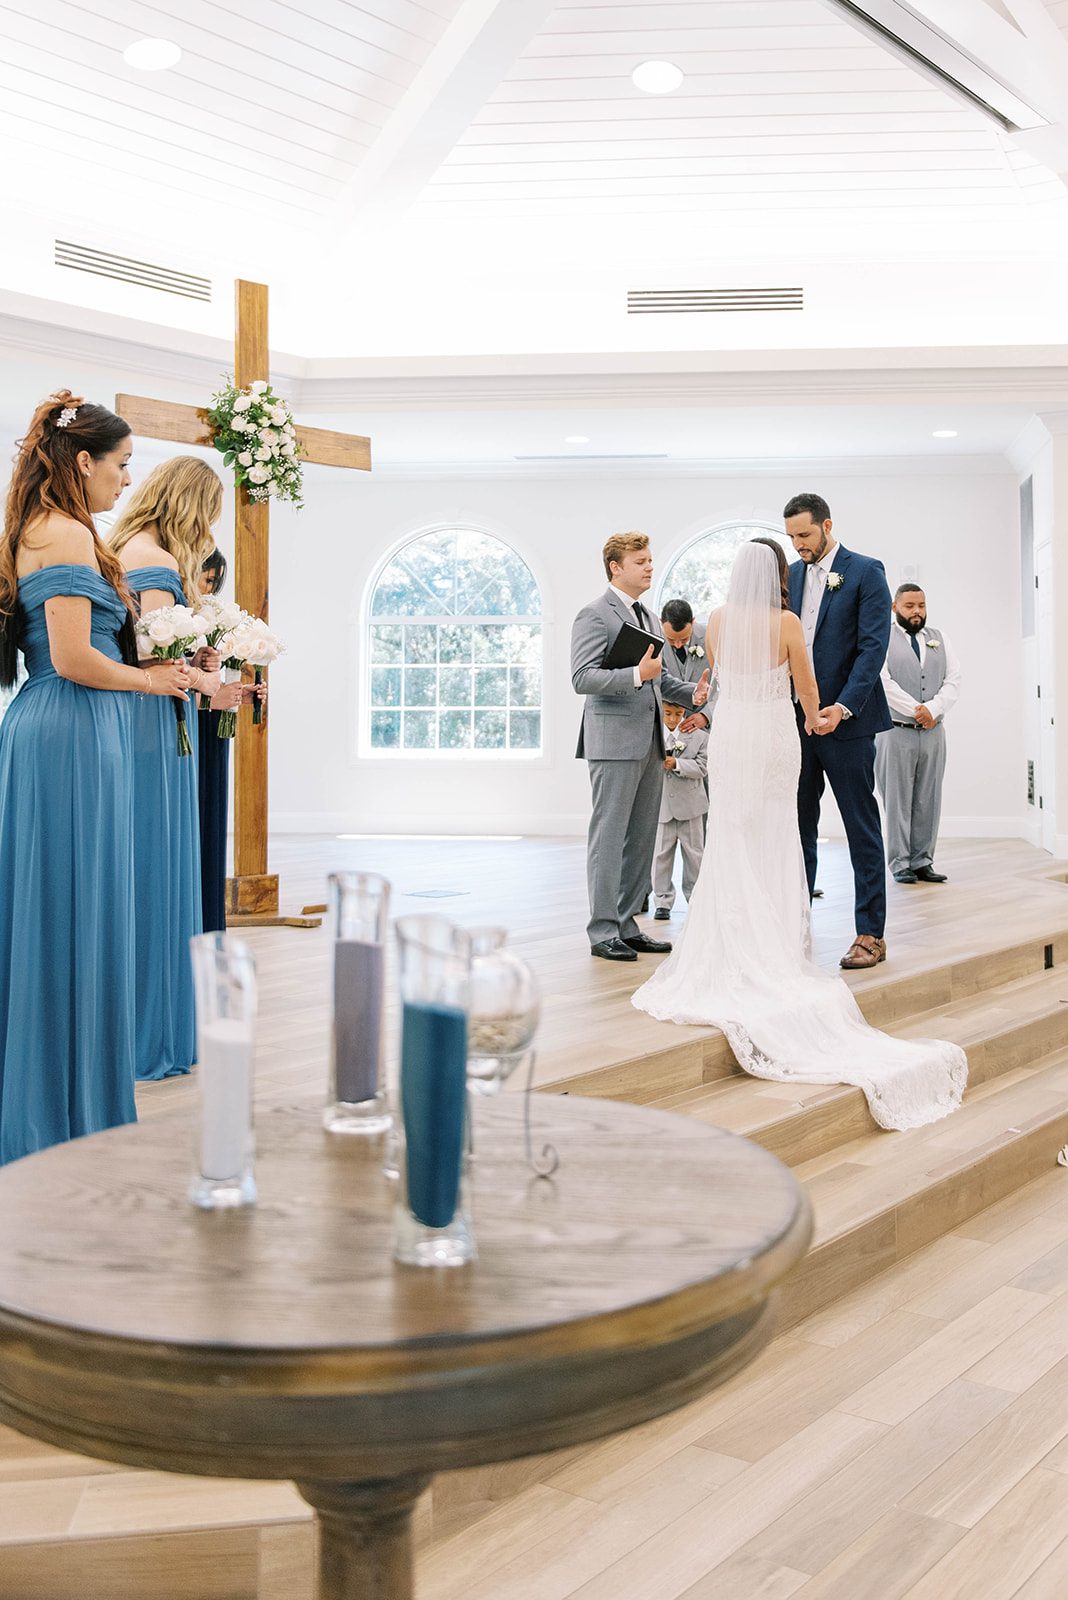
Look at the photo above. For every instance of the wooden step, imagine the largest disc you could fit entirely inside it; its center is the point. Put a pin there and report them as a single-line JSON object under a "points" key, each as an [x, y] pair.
{"points": [[669, 1060], [1011, 1026], [882, 1196]]}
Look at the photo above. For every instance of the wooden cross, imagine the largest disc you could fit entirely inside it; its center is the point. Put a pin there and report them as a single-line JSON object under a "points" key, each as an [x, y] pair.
{"points": [[252, 893]]}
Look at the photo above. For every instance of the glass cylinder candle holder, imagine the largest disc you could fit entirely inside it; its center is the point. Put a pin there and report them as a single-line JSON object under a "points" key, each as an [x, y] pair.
{"points": [[357, 1098], [432, 1221], [224, 974]]}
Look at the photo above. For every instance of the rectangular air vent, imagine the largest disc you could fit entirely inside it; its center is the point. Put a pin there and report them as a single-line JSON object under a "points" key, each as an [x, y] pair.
{"points": [[685, 302], [85, 258]]}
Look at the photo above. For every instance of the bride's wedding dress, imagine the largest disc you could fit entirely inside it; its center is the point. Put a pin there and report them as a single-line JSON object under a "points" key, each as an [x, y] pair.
{"points": [[743, 962]]}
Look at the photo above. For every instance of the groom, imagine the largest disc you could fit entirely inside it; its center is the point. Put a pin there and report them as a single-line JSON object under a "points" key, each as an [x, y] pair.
{"points": [[622, 742], [844, 605]]}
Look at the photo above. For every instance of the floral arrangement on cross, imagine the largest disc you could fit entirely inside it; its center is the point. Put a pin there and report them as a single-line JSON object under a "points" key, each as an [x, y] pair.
{"points": [[255, 432]]}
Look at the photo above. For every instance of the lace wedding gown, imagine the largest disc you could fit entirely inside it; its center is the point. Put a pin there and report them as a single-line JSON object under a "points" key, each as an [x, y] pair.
{"points": [[743, 959]]}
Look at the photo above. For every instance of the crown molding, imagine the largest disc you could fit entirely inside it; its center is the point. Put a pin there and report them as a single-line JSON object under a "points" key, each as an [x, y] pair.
{"points": [[932, 466], [189, 364]]}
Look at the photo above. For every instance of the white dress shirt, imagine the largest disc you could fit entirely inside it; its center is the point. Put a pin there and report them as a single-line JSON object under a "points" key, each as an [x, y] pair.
{"points": [[815, 587], [630, 603], [902, 704]]}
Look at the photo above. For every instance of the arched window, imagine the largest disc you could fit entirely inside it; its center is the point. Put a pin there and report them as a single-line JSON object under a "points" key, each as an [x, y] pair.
{"points": [[455, 649], [701, 571]]}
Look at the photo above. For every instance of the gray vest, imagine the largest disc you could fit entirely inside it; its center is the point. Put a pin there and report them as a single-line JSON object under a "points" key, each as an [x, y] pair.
{"points": [[921, 682]]}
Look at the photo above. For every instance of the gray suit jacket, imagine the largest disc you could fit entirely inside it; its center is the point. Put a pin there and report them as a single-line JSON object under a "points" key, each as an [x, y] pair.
{"points": [[684, 794], [618, 721]]}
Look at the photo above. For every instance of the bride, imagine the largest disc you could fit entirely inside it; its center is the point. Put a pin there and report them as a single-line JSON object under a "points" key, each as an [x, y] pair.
{"points": [[743, 961]]}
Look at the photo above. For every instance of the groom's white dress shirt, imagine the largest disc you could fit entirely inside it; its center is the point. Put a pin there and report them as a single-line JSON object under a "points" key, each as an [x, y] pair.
{"points": [[815, 585], [902, 704]]}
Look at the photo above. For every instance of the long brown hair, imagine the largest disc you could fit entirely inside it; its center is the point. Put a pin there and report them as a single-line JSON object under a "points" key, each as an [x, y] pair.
{"points": [[46, 478], [180, 498], [784, 568]]}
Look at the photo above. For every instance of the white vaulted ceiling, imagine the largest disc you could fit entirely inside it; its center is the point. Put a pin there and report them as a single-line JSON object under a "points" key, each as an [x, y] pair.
{"points": [[785, 109], [434, 175]]}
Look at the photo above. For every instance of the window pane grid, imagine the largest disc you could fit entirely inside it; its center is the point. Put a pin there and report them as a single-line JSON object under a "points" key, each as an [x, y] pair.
{"points": [[443, 675]]}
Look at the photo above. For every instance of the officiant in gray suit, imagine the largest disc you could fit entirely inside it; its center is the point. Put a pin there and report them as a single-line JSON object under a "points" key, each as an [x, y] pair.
{"points": [[622, 742], [922, 681]]}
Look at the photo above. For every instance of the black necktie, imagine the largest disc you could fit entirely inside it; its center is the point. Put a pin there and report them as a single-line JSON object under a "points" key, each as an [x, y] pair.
{"points": [[680, 651], [639, 612], [915, 641]]}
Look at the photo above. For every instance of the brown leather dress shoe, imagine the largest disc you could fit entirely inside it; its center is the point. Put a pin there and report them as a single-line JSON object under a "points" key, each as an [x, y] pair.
{"points": [[865, 951]]}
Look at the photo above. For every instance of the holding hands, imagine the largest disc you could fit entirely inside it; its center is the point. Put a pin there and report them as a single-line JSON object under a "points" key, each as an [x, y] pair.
{"points": [[700, 692]]}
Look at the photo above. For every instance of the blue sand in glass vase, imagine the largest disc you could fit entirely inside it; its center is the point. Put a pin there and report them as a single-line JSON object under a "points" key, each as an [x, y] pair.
{"points": [[434, 1103]]}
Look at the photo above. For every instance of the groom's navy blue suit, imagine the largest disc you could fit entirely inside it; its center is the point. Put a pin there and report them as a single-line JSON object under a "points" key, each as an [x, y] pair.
{"points": [[848, 652]]}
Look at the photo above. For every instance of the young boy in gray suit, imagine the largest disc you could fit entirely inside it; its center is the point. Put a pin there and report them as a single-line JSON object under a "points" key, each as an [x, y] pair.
{"points": [[683, 805]]}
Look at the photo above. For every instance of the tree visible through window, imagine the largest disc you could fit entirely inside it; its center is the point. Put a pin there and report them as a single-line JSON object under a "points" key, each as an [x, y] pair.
{"points": [[455, 657], [701, 572]]}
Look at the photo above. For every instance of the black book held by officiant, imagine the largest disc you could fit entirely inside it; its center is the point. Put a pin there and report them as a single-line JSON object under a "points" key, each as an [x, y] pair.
{"points": [[629, 646]]}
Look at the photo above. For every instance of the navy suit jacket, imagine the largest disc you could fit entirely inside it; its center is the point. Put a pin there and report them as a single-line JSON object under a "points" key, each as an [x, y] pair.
{"points": [[851, 640]]}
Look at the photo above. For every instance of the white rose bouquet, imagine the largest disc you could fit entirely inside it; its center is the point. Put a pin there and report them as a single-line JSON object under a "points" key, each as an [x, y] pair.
{"points": [[255, 433], [171, 633], [221, 617], [250, 644]]}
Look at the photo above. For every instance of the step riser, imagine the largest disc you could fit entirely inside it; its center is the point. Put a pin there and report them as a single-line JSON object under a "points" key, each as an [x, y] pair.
{"points": [[850, 1260], [811, 1132], [658, 1073]]}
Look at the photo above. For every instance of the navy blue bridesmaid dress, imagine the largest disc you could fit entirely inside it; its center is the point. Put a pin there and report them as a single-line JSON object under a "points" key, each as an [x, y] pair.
{"points": [[214, 785], [166, 847], [66, 885]]}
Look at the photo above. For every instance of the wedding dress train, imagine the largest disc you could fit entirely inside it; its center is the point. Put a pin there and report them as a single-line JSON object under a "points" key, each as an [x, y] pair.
{"points": [[743, 961]]}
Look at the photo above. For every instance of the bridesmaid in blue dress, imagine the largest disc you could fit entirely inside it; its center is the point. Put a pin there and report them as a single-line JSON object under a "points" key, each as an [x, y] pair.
{"points": [[162, 539], [67, 1002]]}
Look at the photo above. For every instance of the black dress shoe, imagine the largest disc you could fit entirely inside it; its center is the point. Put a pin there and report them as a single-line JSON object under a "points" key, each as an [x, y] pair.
{"points": [[906, 877], [661, 914], [929, 875], [646, 946], [613, 950]]}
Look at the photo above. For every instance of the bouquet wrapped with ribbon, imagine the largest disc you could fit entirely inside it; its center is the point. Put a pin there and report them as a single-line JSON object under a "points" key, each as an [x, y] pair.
{"points": [[250, 644], [171, 633]]}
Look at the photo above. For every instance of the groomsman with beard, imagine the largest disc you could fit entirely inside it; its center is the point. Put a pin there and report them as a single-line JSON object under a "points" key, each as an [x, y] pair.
{"points": [[922, 682], [844, 606]]}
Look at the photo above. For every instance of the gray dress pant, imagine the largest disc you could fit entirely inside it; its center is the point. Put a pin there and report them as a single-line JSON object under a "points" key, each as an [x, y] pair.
{"points": [[688, 836], [619, 850], [909, 766]]}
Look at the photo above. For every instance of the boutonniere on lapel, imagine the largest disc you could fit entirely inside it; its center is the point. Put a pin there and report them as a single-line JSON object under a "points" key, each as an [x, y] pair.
{"points": [[933, 644], [834, 581], [696, 651], [677, 749]]}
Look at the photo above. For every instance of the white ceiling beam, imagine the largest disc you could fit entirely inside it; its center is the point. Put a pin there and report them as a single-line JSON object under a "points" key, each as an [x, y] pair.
{"points": [[463, 70]]}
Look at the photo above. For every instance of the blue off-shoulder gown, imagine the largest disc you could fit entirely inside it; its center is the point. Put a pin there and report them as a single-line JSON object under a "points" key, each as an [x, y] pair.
{"points": [[66, 886], [166, 869]]}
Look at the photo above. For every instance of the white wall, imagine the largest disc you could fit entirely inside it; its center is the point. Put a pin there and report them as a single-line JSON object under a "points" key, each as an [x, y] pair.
{"points": [[954, 533]]}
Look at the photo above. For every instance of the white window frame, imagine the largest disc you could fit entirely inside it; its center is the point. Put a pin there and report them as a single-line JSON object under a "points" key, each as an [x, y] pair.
{"points": [[368, 752]]}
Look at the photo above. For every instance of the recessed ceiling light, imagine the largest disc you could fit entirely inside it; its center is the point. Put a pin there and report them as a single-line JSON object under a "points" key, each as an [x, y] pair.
{"points": [[657, 77], [577, 438], [944, 433], [152, 55]]}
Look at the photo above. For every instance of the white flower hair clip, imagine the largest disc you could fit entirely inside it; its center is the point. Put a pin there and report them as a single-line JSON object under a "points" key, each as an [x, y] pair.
{"points": [[66, 416]]}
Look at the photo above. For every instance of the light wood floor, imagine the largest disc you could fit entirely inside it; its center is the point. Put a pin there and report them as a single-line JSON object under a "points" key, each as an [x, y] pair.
{"points": [[906, 1436], [591, 1038]]}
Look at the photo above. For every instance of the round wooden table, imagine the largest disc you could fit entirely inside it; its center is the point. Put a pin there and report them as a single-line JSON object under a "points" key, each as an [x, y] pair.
{"points": [[283, 1342]]}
